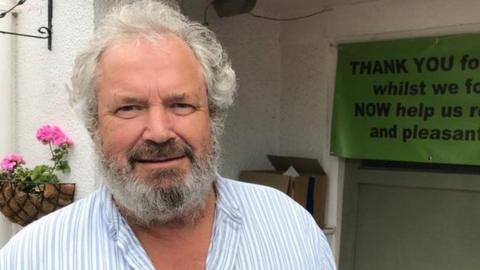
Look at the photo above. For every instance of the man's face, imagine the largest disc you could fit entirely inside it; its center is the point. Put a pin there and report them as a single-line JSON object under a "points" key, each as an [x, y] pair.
{"points": [[152, 93], [153, 117]]}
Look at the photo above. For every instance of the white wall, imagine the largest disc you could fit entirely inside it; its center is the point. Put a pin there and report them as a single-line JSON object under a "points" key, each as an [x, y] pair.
{"points": [[252, 127], [40, 84]]}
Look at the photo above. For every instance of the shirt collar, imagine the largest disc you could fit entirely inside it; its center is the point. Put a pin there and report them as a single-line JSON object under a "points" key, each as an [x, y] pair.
{"points": [[122, 234], [112, 216], [227, 201]]}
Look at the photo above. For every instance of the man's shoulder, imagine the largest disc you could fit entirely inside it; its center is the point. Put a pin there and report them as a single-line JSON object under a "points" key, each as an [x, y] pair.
{"points": [[262, 199], [66, 238], [271, 219], [247, 189]]}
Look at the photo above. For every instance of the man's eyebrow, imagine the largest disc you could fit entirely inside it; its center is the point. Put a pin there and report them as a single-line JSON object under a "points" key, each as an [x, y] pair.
{"points": [[128, 99], [176, 97]]}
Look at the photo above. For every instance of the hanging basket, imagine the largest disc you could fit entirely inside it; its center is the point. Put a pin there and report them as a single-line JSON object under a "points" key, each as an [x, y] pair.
{"points": [[23, 208]]}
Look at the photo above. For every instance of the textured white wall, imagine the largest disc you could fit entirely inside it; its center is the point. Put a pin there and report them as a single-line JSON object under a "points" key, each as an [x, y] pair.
{"points": [[252, 127], [40, 84]]}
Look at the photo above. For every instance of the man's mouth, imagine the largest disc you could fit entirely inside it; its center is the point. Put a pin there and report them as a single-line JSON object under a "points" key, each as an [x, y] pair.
{"points": [[155, 156], [159, 159]]}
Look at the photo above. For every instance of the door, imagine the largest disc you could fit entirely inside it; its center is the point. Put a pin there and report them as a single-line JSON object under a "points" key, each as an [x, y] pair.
{"points": [[402, 216]]}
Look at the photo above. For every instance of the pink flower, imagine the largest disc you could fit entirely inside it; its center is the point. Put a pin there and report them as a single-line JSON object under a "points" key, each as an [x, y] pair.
{"points": [[44, 134], [53, 134], [11, 161]]}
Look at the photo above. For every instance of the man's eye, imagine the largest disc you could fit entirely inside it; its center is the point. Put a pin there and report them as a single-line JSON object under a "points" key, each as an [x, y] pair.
{"points": [[128, 111], [128, 108], [183, 108]]}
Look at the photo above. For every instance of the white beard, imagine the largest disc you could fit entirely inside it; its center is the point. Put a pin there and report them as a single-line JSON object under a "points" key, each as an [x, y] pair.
{"points": [[164, 196]]}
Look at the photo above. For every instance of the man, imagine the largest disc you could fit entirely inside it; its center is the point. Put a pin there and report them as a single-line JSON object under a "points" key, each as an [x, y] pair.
{"points": [[153, 88]]}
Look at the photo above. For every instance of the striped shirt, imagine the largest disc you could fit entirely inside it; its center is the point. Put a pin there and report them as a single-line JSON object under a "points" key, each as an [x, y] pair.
{"points": [[255, 227]]}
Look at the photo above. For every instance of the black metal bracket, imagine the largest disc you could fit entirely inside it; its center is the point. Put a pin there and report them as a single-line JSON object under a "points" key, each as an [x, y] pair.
{"points": [[46, 32]]}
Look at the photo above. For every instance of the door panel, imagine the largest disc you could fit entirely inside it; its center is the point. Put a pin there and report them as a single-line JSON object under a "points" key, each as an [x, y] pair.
{"points": [[397, 219]]}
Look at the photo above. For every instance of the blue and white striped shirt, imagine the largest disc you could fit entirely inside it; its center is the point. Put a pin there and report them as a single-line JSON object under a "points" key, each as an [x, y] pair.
{"points": [[255, 227]]}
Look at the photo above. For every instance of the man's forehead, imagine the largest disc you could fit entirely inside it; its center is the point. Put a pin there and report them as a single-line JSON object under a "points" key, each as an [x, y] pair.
{"points": [[170, 54], [167, 43], [166, 48]]}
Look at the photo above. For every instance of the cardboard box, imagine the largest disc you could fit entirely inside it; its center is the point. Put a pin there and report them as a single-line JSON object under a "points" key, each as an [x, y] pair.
{"points": [[312, 196]]}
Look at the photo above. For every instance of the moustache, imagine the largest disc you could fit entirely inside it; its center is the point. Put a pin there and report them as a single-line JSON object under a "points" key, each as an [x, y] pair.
{"points": [[149, 151]]}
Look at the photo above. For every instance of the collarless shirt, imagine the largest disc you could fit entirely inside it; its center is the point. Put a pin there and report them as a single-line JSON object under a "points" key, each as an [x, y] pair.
{"points": [[255, 227]]}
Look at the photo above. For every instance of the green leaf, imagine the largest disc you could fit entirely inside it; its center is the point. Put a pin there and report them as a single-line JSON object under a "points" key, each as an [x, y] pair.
{"points": [[38, 171]]}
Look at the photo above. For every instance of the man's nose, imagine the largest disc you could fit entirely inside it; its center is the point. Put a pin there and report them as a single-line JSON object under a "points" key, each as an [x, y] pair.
{"points": [[158, 126]]}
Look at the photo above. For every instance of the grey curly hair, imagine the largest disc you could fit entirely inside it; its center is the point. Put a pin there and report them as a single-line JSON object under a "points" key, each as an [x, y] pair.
{"points": [[150, 20]]}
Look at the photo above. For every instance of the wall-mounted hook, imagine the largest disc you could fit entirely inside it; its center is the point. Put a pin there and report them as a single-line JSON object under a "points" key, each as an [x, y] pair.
{"points": [[45, 31], [3, 14]]}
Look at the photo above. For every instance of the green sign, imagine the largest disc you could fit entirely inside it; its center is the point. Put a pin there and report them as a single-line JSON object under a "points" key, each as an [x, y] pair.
{"points": [[409, 100]]}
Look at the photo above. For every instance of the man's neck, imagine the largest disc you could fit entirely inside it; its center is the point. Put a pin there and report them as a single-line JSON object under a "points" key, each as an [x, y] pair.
{"points": [[179, 244]]}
